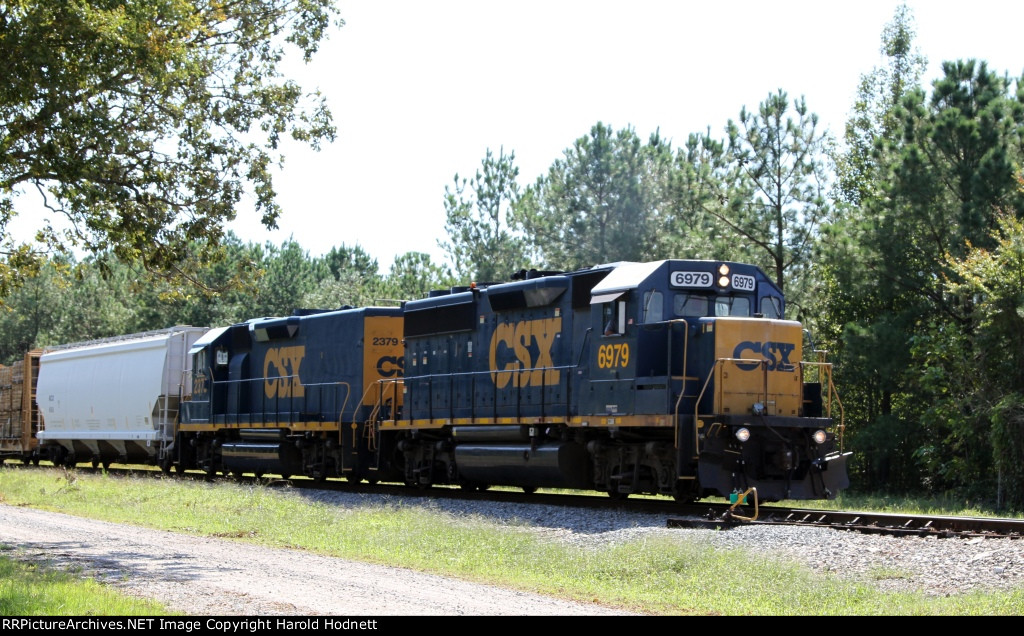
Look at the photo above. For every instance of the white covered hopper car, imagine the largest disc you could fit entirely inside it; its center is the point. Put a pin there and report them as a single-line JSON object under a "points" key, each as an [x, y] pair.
{"points": [[115, 400]]}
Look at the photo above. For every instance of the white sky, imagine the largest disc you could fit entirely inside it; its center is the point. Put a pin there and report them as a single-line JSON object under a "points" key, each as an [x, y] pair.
{"points": [[421, 89]]}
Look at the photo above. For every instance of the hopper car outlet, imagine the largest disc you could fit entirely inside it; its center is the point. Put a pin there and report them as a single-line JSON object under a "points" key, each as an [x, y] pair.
{"points": [[677, 377]]}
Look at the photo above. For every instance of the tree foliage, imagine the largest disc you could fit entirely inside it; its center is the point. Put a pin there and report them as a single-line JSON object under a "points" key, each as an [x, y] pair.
{"points": [[777, 184], [413, 275], [940, 186], [699, 196], [759, 195], [866, 318], [344, 261], [142, 124], [873, 116], [289, 274], [957, 165], [976, 374], [605, 200], [482, 241]]}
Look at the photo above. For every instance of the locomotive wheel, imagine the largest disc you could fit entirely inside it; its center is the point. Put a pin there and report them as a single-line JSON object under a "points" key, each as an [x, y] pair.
{"points": [[613, 492], [529, 489], [106, 465], [417, 484]]}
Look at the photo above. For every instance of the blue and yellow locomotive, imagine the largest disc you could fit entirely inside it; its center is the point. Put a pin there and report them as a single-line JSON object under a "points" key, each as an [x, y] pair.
{"points": [[674, 377], [292, 395]]}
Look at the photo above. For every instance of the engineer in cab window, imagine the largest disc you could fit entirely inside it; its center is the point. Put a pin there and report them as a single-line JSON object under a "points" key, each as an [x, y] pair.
{"points": [[611, 312]]}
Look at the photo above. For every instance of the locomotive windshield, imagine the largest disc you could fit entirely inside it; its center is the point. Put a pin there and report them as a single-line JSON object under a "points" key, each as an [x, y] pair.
{"points": [[695, 304], [732, 306]]}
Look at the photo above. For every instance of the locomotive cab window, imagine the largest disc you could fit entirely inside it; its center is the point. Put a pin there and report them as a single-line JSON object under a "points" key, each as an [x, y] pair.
{"points": [[653, 307], [613, 317]]}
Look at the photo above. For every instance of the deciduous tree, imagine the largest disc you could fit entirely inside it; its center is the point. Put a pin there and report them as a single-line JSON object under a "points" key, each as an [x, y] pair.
{"points": [[140, 125]]}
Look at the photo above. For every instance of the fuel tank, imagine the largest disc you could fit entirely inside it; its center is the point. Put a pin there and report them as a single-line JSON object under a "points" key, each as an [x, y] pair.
{"points": [[553, 465]]}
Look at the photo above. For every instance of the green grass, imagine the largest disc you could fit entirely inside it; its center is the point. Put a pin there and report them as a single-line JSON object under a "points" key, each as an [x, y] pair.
{"points": [[665, 577], [31, 589]]}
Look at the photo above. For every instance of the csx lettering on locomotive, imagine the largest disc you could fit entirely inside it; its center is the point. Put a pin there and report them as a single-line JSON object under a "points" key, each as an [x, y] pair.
{"points": [[390, 366], [530, 342], [776, 355], [281, 370]]}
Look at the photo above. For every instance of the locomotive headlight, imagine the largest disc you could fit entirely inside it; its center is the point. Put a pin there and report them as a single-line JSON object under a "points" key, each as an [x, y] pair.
{"points": [[723, 281], [742, 434], [819, 436], [723, 269]]}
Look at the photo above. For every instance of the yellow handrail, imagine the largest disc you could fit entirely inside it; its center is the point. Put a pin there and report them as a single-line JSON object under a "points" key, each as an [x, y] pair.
{"points": [[682, 390], [831, 393], [371, 429]]}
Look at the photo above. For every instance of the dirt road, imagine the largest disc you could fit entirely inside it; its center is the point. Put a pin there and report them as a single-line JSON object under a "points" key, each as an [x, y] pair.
{"points": [[218, 577]]}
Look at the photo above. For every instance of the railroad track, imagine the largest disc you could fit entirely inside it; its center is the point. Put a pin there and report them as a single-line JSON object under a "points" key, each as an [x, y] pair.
{"points": [[709, 514], [896, 524], [725, 516]]}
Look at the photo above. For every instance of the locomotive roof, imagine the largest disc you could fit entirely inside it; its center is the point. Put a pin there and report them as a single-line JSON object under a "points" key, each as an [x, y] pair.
{"points": [[626, 275], [207, 338]]}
